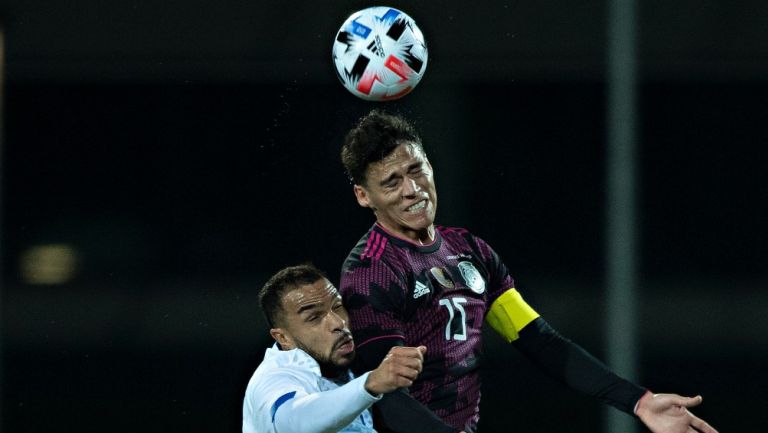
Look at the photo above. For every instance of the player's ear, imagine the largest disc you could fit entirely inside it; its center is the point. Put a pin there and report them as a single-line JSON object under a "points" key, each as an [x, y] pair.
{"points": [[282, 338], [362, 196]]}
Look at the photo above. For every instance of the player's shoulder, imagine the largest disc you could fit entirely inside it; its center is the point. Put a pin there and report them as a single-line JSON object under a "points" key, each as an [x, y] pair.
{"points": [[456, 234], [286, 369], [446, 231], [376, 261], [368, 250], [462, 237]]}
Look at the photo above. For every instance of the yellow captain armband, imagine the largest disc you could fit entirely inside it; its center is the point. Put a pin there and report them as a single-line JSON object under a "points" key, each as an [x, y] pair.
{"points": [[509, 314]]}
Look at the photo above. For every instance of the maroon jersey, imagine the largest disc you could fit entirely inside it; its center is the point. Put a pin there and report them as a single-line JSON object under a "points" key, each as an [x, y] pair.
{"points": [[434, 295]]}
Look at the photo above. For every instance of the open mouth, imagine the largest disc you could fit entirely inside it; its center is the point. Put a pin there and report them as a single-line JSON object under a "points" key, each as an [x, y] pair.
{"points": [[345, 345], [416, 207]]}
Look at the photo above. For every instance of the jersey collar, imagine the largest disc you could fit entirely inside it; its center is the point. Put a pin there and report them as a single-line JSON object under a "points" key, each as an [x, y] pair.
{"points": [[405, 243]]}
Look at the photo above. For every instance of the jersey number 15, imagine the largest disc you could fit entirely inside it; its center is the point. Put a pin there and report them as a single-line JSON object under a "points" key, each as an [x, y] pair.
{"points": [[456, 328]]}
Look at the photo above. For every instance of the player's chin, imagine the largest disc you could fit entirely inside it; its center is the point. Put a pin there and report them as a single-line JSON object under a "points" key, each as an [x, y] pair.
{"points": [[343, 360], [420, 223]]}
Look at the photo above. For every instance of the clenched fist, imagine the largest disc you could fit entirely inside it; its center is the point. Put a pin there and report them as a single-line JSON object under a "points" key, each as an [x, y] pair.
{"points": [[399, 369]]}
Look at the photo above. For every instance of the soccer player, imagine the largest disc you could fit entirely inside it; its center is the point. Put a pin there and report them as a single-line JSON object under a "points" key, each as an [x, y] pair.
{"points": [[410, 282], [304, 383]]}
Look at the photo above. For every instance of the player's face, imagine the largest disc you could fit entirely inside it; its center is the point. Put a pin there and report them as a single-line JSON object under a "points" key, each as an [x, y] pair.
{"points": [[401, 191], [317, 323]]}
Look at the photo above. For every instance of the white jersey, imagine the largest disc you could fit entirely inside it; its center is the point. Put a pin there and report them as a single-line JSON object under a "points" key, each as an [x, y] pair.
{"points": [[287, 394]]}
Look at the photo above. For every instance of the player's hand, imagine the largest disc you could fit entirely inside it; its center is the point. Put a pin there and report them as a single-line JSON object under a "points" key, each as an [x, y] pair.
{"points": [[399, 369], [668, 413]]}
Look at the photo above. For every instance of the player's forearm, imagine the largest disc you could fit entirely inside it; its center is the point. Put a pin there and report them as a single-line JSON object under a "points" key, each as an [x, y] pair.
{"points": [[403, 414], [568, 363], [324, 412], [400, 412]]}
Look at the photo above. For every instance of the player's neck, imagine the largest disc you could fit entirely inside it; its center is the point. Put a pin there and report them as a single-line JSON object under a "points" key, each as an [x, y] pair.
{"points": [[416, 237], [332, 372]]}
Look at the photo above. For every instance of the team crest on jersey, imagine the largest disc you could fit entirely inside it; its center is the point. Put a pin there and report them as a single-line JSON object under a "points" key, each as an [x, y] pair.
{"points": [[472, 277], [442, 277]]}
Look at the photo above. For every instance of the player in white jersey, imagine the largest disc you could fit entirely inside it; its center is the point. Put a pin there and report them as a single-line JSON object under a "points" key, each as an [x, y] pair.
{"points": [[304, 383]]}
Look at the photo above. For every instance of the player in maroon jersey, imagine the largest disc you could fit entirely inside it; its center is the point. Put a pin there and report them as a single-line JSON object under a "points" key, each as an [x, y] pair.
{"points": [[409, 282]]}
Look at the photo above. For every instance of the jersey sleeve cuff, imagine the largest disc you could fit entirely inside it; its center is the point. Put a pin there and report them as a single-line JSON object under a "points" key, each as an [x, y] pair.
{"points": [[364, 392]]}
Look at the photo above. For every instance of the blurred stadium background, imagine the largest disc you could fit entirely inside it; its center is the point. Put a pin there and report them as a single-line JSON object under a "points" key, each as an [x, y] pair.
{"points": [[161, 159]]}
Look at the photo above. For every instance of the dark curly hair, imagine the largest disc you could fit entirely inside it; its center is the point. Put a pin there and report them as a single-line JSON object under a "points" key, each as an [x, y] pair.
{"points": [[374, 137], [285, 280]]}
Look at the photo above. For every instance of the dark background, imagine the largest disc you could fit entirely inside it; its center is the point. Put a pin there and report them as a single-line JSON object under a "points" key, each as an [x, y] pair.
{"points": [[184, 151]]}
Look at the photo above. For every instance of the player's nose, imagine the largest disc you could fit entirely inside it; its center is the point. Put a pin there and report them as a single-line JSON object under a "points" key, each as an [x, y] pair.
{"points": [[337, 323], [410, 187]]}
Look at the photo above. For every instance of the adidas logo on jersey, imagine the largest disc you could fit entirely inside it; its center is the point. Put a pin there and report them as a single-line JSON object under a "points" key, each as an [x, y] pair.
{"points": [[420, 290]]}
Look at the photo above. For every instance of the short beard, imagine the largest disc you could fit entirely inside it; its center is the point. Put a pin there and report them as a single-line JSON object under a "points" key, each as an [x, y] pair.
{"points": [[327, 367]]}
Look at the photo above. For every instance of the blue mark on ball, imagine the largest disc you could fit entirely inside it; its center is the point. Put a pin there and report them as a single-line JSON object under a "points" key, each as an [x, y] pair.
{"points": [[359, 29], [390, 16]]}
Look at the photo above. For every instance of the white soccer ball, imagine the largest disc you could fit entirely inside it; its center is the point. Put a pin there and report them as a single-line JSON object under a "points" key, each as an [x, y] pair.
{"points": [[380, 54]]}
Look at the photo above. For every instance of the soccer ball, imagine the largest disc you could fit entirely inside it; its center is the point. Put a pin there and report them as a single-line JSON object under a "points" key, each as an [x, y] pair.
{"points": [[379, 54]]}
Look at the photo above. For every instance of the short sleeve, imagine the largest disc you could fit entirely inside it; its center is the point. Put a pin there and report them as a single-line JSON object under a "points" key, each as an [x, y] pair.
{"points": [[264, 396]]}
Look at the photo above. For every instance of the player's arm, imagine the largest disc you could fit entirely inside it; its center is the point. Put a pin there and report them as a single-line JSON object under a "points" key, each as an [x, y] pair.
{"points": [[294, 410], [557, 356], [331, 411], [399, 411]]}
